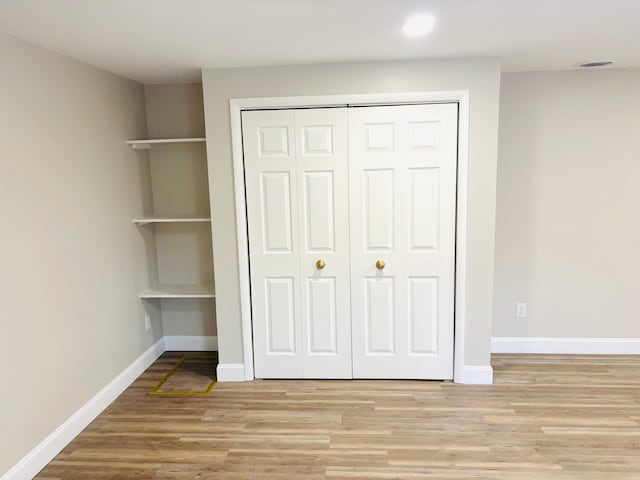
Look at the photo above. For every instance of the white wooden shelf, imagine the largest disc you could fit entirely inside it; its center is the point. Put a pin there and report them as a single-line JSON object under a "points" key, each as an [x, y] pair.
{"points": [[146, 144], [170, 219], [179, 291]]}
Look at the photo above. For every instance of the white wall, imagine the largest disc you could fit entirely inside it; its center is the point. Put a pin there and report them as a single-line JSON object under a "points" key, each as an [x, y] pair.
{"points": [[567, 234], [480, 76], [71, 261], [180, 187]]}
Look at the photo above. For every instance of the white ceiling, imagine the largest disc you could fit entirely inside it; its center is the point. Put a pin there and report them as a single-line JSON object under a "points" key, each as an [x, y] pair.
{"points": [[161, 41]]}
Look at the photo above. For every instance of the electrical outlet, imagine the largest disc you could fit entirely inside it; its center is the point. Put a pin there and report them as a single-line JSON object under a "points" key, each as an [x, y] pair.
{"points": [[521, 310], [147, 322]]}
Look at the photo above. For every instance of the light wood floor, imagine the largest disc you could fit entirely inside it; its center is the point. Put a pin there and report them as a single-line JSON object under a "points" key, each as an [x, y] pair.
{"points": [[546, 417]]}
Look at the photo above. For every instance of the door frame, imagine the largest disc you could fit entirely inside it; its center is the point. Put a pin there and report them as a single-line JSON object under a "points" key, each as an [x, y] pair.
{"points": [[461, 97]]}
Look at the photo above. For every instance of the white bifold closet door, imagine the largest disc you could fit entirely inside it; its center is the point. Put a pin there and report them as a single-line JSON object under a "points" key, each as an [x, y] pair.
{"points": [[369, 192], [296, 175], [402, 168]]}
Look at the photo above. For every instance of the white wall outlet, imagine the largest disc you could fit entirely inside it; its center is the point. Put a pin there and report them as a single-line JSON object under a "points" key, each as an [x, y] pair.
{"points": [[147, 322], [521, 310]]}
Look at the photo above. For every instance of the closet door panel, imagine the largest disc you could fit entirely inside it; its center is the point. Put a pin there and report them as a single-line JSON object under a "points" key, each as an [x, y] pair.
{"points": [[272, 207], [402, 170], [322, 167]]}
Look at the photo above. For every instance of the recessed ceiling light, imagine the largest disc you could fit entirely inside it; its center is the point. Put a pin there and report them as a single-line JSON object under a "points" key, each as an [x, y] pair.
{"points": [[418, 25], [599, 63]]}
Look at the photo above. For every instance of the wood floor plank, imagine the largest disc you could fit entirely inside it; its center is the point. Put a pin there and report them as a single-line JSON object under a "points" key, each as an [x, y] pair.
{"points": [[547, 417]]}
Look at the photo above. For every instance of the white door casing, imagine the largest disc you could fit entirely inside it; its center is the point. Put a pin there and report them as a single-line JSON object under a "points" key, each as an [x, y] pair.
{"points": [[296, 184], [402, 171], [402, 168]]}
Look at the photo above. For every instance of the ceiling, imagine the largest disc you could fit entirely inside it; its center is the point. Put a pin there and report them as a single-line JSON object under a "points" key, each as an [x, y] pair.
{"points": [[163, 41]]}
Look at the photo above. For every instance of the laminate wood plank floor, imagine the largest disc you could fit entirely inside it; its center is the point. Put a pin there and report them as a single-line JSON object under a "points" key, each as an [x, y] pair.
{"points": [[546, 417]]}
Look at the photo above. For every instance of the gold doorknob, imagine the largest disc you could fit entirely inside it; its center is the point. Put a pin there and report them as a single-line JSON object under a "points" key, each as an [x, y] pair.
{"points": [[320, 264], [380, 264]]}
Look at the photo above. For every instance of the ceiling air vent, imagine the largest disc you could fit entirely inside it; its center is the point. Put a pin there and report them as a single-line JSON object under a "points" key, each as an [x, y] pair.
{"points": [[597, 64]]}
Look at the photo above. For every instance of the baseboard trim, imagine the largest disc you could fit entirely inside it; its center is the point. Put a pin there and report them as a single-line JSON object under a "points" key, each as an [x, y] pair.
{"points": [[576, 346], [230, 372], [477, 375], [190, 343], [40, 456]]}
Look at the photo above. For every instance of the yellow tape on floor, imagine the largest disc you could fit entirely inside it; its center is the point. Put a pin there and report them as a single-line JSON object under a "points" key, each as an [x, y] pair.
{"points": [[173, 370]]}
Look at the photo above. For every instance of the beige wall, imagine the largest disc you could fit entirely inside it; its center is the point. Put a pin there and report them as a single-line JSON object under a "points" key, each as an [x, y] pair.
{"points": [[180, 187], [174, 110], [480, 76], [71, 260], [567, 234]]}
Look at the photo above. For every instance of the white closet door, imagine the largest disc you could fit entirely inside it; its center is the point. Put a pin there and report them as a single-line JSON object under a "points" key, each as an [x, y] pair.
{"points": [[402, 163], [297, 196]]}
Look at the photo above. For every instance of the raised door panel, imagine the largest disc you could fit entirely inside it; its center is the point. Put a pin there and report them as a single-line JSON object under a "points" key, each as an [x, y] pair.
{"points": [[276, 211], [319, 211], [423, 316], [380, 316], [322, 316], [378, 209], [423, 219], [280, 316]]}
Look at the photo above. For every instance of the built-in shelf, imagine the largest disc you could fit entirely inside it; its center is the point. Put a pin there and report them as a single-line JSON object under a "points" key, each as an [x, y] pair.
{"points": [[170, 219], [179, 291], [146, 144], [167, 291]]}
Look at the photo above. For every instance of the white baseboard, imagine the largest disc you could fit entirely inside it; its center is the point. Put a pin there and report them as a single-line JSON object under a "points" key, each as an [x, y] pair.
{"points": [[477, 375], [576, 346], [190, 343], [40, 456], [230, 372]]}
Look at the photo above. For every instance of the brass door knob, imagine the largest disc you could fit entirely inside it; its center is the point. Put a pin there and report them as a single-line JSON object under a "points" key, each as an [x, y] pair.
{"points": [[380, 264], [320, 264]]}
